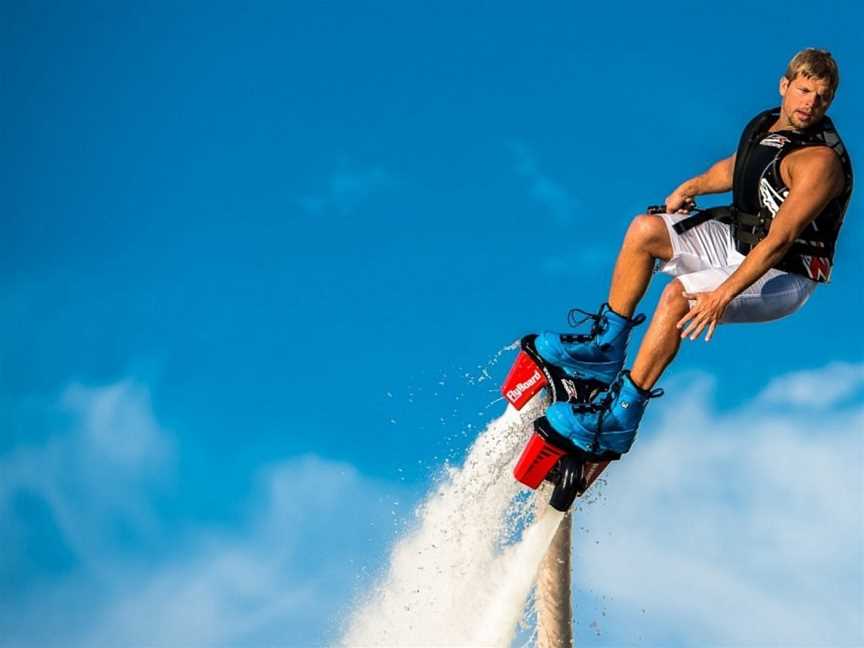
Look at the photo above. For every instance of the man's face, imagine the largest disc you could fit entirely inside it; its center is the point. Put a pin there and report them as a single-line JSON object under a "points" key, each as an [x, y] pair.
{"points": [[804, 100]]}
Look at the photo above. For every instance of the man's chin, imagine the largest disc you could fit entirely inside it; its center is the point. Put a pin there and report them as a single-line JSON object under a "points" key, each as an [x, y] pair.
{"points": [[800, 122]]}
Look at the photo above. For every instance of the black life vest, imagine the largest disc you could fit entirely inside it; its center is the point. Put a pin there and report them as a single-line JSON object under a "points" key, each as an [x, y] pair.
{"points": [[759, 191]]}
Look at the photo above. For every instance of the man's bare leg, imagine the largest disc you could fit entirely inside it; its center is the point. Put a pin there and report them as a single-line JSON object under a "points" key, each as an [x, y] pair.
{"points": [[647, 239], [662, 338], [601, 357]]}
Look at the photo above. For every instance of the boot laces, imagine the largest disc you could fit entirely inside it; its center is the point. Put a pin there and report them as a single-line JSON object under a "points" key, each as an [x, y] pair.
{"points": [[600, 324], [602, 406]]}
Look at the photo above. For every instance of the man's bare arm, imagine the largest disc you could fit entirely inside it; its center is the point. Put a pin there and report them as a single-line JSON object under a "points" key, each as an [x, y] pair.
{"points": [[815, 177], [717, 179]]}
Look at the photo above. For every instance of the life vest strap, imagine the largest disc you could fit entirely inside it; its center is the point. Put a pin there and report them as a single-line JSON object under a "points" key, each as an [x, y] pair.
{"points": [[751, 238], [723, 214]]}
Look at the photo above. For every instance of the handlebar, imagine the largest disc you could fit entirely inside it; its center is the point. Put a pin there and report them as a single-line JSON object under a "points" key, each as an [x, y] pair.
{"points": [[661, 209]]}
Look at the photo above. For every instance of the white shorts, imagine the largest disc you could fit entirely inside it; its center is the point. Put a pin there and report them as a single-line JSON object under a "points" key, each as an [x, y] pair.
{"points": [[702, 259]]}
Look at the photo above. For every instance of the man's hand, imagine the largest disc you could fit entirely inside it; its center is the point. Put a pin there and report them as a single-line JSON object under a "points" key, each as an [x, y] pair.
{"points": [[717, 179], [679, 202], [707, 311]]}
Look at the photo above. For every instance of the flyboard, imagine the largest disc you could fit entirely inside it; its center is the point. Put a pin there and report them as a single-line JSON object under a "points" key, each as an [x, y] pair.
{"points": [[548, 455]]}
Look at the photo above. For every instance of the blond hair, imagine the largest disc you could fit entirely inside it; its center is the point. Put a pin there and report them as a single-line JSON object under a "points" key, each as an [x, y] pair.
{"points": [[815, 63]]}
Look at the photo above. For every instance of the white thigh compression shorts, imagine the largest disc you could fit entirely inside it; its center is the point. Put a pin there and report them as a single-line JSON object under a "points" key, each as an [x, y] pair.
{"points": [[704, 256]]}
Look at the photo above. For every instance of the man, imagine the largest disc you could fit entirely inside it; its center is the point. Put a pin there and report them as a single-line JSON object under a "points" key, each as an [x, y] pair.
{"points": [[755, 261]]}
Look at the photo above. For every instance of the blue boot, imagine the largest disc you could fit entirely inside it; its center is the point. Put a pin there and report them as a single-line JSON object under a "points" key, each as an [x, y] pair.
{"points": [[597, 355], [609, 424]]}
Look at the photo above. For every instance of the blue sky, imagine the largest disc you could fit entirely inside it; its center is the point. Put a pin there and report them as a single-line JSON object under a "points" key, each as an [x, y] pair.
{"points": [[248, 251]]}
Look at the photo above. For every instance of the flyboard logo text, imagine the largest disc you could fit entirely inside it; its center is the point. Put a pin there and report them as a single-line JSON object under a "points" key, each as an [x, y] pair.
{"points": [[520, 388]]}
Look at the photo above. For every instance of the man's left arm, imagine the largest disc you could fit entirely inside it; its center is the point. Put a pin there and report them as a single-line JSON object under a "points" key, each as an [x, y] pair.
{"points": [[815, 177]]}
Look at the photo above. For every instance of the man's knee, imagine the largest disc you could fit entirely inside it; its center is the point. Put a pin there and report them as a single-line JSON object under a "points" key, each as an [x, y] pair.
{"points": [[649, 233], [672, 301]]}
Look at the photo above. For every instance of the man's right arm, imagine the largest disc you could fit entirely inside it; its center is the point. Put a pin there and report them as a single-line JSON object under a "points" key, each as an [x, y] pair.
{"points": [[717, 179]]}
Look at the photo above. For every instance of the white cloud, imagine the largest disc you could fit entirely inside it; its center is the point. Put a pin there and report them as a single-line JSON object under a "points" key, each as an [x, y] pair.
{"points": [[745, 528], [271, 583], [279, 577], [346, 190], [560, 203], [117, 425], [90, 477], [816, 388]]}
